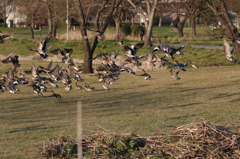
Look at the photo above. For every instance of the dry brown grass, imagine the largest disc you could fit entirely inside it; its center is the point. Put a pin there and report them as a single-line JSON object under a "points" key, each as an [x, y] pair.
{"points": [[76, 35]]}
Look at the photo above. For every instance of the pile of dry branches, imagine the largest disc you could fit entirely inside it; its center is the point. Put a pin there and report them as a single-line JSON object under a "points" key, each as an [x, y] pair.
{"points": [[203, 140], [59, 147]]}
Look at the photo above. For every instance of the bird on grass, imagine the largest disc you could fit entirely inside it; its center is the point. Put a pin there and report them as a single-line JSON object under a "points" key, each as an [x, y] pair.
{"points": [[145, 75], [2, 37], [88, 87], [78, 86], [12, 59], [228, 52], [42, 47], [58, 96], [68, 87]]}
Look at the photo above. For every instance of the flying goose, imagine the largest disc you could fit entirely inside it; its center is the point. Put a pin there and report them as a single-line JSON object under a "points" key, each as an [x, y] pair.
{"points": [[105, 85], [12, 59], [130, 51], [181, 65], [2, 37], [52, 82], [47, 69], [127, 69], [42, 47], [36, 88], [99, 34], [237, 39], [64, 53], [34, 71], [174, 72], [169, 50], [228, 51]]}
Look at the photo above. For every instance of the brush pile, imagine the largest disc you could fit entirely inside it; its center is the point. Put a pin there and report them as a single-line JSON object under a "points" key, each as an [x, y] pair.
{"points": [[203, 140], [59, 147]]}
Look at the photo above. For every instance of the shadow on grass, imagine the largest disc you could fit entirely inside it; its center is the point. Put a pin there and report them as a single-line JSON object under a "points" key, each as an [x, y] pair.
{"points": [[235, 100], [30, 128], [186, 116], [203, 88], [125, 113], [179, 106], [225, 95]]}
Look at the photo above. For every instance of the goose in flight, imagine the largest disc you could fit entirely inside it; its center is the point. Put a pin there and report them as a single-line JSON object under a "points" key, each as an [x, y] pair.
{"points": [[2, 37], [228, 51], [12, 59], [130, 51], [42, 47], [169, 50]]}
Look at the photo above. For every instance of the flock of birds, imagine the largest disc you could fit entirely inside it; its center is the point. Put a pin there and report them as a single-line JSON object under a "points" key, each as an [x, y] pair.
{"points": [[107, 73]]}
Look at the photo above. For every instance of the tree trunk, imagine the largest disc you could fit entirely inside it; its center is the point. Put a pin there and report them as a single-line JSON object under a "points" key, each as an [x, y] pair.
{"points": [[54, 28], [5, 23], [50, 19], [118, 30], [180, 25], [237, 51], [88, 55], [148, 29], [193, 27], [88, 51], [148, 36], [31, 32], [31, 27], [160, 22]]}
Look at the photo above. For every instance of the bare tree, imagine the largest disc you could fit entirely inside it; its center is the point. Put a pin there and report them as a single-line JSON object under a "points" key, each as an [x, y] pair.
{"points": [[56, 10], [192, 9], [33, 10], [146, 9], [118, 16], [163, 10], [179, 22], [5, 10], [221, 11], [107, 7]]}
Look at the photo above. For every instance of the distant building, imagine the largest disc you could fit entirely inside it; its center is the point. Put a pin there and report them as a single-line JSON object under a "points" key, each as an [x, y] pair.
{"points": [[15, 19]]}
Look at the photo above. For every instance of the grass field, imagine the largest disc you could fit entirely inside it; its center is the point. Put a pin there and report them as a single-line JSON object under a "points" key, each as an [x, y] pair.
{"points": [[132, 105]]}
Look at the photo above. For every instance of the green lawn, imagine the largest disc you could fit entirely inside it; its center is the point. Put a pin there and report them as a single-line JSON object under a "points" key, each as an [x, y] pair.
{"points": [[145, 107]]}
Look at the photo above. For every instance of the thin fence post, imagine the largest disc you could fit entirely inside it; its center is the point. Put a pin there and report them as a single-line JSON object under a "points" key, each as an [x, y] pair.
{"points": [[79, 128]]}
